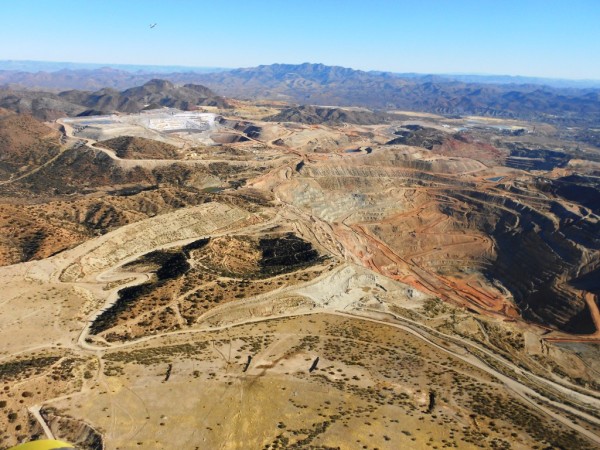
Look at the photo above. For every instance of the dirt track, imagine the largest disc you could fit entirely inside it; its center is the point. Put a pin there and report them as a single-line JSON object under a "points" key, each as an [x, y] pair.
{"points": [[522, 390]]}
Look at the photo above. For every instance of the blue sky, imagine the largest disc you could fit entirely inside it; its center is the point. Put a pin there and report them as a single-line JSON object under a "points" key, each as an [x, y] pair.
{"points": [[552, 38]]}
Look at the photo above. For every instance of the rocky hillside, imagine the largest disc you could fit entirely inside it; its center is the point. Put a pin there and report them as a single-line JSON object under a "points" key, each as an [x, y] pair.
{"points": [[25, 144], [54, 195], [130, 147], [153, 94], [332, 116]]}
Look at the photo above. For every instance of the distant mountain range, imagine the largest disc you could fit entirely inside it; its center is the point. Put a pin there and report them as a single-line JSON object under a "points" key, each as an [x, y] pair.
{"points": [[53, 66], [318, 84], [502, 79], [330, 85]]}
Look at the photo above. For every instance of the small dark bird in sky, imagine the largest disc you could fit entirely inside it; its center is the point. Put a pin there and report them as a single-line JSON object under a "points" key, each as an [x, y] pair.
{"points": [[152, 25]]}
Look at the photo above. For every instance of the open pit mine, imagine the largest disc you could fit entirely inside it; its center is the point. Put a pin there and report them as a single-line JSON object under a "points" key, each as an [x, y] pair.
{"points": [[253, 275]]}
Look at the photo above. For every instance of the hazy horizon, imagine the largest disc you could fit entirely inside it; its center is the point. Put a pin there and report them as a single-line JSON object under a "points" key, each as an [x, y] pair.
{"points": [[28, 66], [530, 38]]}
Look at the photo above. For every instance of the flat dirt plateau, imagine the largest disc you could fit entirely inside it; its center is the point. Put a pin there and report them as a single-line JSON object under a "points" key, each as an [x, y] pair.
{"points": [[224, 279]]}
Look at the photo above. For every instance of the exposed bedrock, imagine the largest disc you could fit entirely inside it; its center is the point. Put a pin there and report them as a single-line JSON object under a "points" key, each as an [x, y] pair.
{"points": [[539, 240], [540, 257]]}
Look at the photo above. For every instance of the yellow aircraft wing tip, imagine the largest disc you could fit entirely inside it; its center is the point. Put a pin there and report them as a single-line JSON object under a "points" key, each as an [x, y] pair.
{"points": [[46, 444]]}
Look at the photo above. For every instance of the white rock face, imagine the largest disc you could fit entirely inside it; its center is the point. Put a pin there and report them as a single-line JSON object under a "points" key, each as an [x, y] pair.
{"points": [[175, 120], [159, 124]]}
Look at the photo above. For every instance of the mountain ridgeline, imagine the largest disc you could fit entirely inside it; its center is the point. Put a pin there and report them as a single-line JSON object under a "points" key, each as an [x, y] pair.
{"points": [[153, 94], [318, 84]]}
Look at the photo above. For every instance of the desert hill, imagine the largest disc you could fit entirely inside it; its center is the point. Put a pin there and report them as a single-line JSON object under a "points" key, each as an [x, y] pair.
{"points": [[153, 94], [157, 93], [25, 143], [56, 191], [130, 147], [40, 104], [314, 115], [31, 230]]}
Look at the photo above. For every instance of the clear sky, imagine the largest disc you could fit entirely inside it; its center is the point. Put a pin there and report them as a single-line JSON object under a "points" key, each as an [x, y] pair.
{"points": [[551, 38]]}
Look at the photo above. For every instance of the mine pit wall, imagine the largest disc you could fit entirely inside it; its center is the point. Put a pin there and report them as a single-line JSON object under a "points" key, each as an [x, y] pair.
{"points": [[349, 176], [77, 432], [540, 246], [588, 278], [536, 258]]}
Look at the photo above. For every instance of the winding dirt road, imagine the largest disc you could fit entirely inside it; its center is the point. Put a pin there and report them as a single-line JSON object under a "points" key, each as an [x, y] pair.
{"points": [[460, 348]]}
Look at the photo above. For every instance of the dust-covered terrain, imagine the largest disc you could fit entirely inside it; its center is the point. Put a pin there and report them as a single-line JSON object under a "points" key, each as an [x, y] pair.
{"points": [[259, 275]]}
